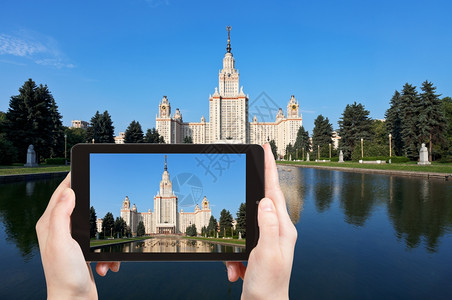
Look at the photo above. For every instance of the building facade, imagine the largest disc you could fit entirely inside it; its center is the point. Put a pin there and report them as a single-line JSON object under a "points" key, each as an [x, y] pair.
{"points": [[166, 219], [228, 116]]}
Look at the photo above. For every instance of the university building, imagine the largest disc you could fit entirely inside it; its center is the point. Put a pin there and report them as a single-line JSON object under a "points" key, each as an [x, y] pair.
{"points": [[228, 116], [166, 218]]}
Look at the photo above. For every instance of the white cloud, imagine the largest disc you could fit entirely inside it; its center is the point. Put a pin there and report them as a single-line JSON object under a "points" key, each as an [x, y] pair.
{"points": [[41, 49]]}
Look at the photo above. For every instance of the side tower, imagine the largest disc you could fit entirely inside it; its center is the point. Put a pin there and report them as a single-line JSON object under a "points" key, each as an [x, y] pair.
{"points": [[165, 206]]}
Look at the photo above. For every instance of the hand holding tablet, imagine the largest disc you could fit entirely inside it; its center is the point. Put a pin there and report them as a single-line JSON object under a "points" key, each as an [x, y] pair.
{"points": [[54, 231]]}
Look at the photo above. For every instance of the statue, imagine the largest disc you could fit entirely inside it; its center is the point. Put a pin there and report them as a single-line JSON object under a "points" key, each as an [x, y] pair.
{"points": [[341, 157], [423, 156], [31, 157]]}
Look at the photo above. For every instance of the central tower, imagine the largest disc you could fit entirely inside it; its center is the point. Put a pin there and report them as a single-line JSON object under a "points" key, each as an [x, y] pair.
{"points": [[228, 107]]}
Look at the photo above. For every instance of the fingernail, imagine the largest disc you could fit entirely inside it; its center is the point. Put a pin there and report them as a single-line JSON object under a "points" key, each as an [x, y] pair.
{"points": [[267, 205]]}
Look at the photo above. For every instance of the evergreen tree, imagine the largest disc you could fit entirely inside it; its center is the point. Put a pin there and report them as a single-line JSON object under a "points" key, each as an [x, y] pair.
{"points": [[7, 149], [191, 230], [204, 231], [101, 128], [108, 223], [447, 110], [212, 228], [353, 125], [188, 140], [152, 136], [120, 227], [302, 142], [241, 219], [33, 118], [92, 222], [290, 152], [432, 123], [74, 136], [134, 133], [321, 135], [140, 229], [225, 222], [57, 131], [274, 148], [394, 124], [409, 117]]}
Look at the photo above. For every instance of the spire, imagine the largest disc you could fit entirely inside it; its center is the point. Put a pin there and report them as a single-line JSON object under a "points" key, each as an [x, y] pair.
{"points": [[166, 168], [228, 48]]}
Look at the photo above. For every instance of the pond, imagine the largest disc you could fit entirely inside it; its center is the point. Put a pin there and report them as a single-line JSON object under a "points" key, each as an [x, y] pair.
{"points": [[360, 236]]}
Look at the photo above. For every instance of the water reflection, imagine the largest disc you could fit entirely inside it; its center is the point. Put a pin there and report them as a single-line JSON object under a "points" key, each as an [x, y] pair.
{"points": [[294, 189], [21, 206], [171, 245]]}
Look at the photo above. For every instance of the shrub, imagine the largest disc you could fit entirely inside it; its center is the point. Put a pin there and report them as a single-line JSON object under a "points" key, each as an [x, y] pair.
{"points": [[55, 161]]}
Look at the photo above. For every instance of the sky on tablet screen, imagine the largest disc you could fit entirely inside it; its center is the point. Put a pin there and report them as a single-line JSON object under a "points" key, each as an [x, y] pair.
{"points": [[113, 176]]}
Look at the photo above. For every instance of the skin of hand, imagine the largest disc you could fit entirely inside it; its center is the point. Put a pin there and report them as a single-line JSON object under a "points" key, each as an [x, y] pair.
{"points": [[68, 275], [267, 274]]}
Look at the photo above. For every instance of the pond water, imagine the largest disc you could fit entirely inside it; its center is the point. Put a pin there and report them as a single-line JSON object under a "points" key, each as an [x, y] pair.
{"points": [[170, 245], [361, 236]]}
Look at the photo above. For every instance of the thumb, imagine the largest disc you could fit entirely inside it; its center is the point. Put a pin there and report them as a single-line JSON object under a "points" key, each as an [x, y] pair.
{"points": [[60, 217], [268, 224]]}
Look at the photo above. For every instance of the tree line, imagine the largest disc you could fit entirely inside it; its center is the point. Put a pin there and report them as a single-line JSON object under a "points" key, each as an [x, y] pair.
{"points": [[413, 118], [33, 118]]}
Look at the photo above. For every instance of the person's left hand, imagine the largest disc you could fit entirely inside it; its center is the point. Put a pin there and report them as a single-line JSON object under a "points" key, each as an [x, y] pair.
{"points": [[67, 273]]}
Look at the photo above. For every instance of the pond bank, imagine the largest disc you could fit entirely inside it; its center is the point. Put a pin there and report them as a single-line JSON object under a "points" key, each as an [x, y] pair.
{"points": [[32, 176], [428, 175]]}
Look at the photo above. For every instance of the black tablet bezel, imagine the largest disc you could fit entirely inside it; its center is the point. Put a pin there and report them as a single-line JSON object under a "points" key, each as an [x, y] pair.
{"points": [[80, 183]]}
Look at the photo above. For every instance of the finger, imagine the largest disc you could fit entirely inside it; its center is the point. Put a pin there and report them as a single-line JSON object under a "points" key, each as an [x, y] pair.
{"points": [[114, 266], [235, 270], [272, 189], [102, 268], [66, 183], [268, 225], [60, 216]]}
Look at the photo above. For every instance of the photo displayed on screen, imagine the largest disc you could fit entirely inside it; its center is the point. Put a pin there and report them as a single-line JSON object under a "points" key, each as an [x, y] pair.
{"points": [[167, 203]]}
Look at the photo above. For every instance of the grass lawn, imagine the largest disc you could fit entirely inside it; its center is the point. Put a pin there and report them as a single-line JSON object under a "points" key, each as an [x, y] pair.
{"points": [[412, 167], [230, 241], [107, 242], [20, 169]]}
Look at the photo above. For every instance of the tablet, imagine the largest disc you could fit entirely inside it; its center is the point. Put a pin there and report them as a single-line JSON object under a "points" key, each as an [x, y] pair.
{"points": [[142, 202]]}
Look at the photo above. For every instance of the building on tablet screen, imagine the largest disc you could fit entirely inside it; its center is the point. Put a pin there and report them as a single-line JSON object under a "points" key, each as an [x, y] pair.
{"points": [[166, 218], [228, 116]]}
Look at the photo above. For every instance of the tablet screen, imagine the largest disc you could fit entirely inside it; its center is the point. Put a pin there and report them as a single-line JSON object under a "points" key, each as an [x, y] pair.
{"points": [[167, 202]]}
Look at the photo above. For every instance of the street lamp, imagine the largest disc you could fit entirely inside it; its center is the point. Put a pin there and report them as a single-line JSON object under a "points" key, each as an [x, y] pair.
{"points": [[390, 149], [65, 149], [318, 152], [92, 140], [330, 151], [362, 150]]}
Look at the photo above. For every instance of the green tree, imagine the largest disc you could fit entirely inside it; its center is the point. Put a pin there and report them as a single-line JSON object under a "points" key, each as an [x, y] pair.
{"points": [[204, 231], [140, 229], [92, 222], [409, 116], [33, 118], [191, 230], [394, 124], [152, 136], [108, 223], [7, 149], [290, 152], [241, 219], [120, 226], [447, 110], [321, 135], [354, 125], [212, 228], [74, 136], [188, 140], [302, 142], [274, 148], [432, 122], [225, 222], [134, 133], [101, 128]]}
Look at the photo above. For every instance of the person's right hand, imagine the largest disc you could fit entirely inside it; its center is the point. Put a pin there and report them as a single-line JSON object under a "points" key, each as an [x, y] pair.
{"points": [[267, 275]]}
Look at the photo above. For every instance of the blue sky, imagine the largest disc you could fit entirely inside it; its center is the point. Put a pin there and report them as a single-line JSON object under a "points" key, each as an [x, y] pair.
{"points": [[219, 177], [123, 56]]}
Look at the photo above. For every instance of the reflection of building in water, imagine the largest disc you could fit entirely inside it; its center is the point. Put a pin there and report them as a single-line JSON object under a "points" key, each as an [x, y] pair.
{"points": [[165, 219], [172, 244], [290, 180]]}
